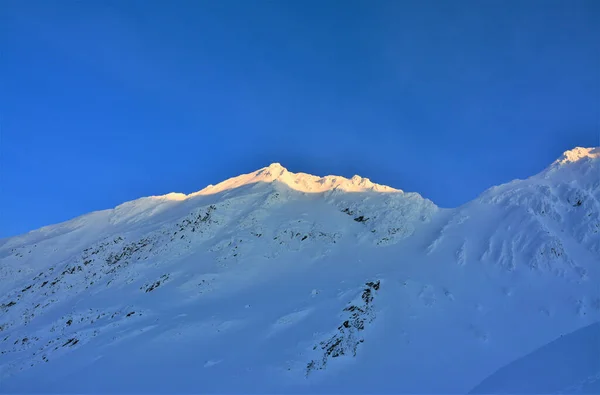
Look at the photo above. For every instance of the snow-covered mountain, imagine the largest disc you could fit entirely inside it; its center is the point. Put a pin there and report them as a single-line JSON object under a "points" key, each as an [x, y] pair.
{"points": [[276, 282]]}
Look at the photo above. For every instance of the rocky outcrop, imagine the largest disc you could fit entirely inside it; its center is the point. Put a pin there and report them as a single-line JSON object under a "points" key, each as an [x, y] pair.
{"points": [[347, 337]]}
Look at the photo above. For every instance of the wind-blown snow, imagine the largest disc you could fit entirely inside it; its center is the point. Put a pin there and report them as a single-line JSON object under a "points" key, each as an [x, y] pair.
{"points": [[284, 282]]}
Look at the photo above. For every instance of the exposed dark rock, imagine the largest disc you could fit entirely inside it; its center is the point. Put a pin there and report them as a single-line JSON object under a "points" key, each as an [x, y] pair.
{"points": [[346, 340], [9, 304], [157, 283], [71, 342], [374, 285], [153, 286]]}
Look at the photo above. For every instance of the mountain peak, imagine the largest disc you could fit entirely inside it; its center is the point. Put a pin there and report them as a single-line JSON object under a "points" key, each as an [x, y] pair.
{"points": [[578, 153], [276, 166], [299, 181], [274, 170]]}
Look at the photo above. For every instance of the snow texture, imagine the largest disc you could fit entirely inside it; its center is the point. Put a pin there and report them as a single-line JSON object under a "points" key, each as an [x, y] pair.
{"points": [[276, 282]]}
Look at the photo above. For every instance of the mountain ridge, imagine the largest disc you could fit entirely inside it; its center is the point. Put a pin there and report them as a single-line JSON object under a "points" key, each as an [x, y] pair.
{"points": [[268, 175], [356, 183], [340, 289]]}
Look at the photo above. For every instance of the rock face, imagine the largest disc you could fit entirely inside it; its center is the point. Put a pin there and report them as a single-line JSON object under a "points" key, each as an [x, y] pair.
{"points": [[286, 282], [346, 339]]}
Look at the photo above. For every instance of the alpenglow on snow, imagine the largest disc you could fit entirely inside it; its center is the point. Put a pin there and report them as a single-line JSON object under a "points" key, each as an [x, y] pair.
{"points": [[281, 282]]}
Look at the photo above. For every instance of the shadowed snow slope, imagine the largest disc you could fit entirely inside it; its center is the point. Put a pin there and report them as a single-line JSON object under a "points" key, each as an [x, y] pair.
{"points": [[276, 282], [566, 365]]}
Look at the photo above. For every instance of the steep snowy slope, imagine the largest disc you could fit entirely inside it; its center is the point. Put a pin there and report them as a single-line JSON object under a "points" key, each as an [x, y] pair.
{"points": [[281, 282]]}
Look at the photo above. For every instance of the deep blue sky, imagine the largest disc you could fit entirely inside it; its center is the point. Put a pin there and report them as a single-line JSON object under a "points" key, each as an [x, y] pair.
{"points": [[106, 101]]}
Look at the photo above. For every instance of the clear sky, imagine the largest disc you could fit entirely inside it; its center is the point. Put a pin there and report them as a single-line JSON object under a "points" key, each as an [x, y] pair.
{"points": [[103, 102]]}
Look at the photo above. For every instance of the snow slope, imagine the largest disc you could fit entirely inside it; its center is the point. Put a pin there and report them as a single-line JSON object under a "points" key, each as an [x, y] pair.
{"points": [[290, 283], [569, 365]]}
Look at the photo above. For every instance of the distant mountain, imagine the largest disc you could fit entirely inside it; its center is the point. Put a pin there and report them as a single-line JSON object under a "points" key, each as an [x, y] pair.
{"points": [[281, 282]]}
